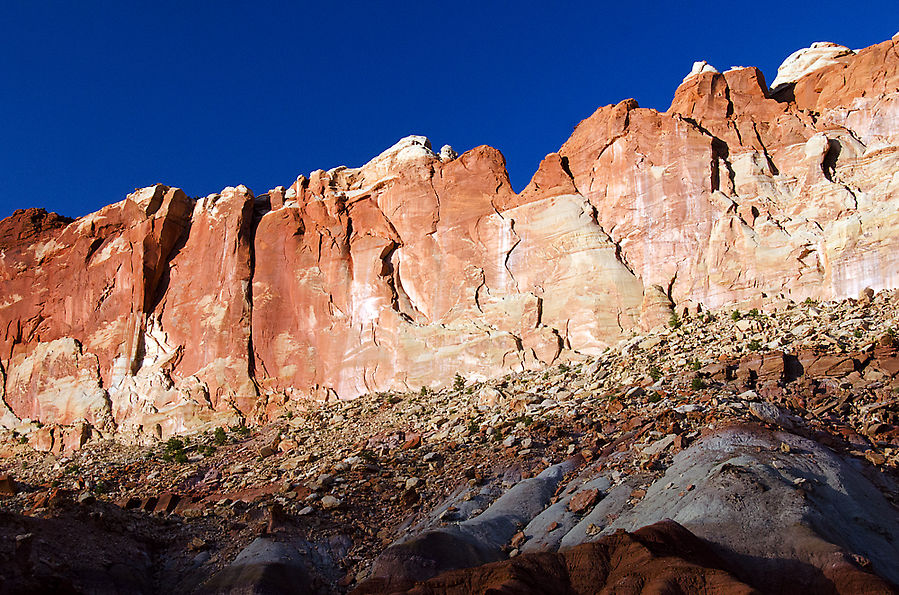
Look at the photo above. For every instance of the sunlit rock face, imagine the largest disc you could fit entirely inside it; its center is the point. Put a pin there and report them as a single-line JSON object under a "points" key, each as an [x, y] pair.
{"points": [[163, 313]]}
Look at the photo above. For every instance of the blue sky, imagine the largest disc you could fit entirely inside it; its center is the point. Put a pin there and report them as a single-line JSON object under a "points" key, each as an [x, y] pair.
{"points": [[98, 98]]}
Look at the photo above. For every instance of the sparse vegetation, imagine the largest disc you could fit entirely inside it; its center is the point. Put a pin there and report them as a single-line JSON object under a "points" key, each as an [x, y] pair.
{"points": [[697, 383], [735, 315], [241, 430], [458, 382], [173, 451], [675, 321], [219, 436], [655, 373], [754, 345]]}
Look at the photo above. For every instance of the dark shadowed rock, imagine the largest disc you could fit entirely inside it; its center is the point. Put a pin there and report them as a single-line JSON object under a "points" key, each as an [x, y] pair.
{"points": [[663, 558]]}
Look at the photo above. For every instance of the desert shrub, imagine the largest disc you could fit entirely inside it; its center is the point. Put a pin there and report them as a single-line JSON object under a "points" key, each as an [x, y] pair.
{"points": [[174, 450], [675, 322], [458, 382]]}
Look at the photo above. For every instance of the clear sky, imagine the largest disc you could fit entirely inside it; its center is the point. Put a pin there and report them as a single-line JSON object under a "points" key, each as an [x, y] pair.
{"points": [[98, 98]]}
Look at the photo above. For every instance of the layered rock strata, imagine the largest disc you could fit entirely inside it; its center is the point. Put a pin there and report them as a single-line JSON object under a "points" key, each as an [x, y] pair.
{"points": [[162, 313]]}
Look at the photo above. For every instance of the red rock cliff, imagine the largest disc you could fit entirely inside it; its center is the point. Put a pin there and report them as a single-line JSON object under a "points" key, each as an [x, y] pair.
{"points": [[162, 313]]}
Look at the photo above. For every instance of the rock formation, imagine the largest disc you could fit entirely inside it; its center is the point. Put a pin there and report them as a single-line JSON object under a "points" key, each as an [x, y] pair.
{"points": [[687, 459], [161, 314]]}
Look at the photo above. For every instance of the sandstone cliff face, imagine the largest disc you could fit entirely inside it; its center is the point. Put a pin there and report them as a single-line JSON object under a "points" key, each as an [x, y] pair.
{"points": [[162, 313]]}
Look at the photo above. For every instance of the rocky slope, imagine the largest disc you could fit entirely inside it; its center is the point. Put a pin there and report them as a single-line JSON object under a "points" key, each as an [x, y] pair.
{"points": [[735, 451], [162, 314]]}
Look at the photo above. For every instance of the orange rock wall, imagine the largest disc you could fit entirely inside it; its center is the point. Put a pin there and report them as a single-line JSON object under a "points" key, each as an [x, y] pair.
{"points": [[161, 313]]}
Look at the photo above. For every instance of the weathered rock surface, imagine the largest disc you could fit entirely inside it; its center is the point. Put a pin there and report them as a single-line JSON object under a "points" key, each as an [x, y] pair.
{"points": [[662, 558], [162, 314], [802, 62], [778, 463], [780, 512], [267, 566]]}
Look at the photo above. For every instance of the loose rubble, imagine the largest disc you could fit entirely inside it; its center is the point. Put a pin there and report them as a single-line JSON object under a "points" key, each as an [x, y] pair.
{"points": [[349, 478]]}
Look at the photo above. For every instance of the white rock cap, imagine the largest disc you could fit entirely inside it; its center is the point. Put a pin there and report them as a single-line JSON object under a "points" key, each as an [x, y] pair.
{"points": [[807, 60], [700, 67], [447, 153]]}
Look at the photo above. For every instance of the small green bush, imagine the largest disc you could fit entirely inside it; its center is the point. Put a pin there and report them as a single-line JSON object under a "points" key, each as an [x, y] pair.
{"points": [[654, 372], [754, 345], [675, 322], [174, 444], [697, 383], [458, 382], [174, 450], [219, 436], [735, 315]]}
